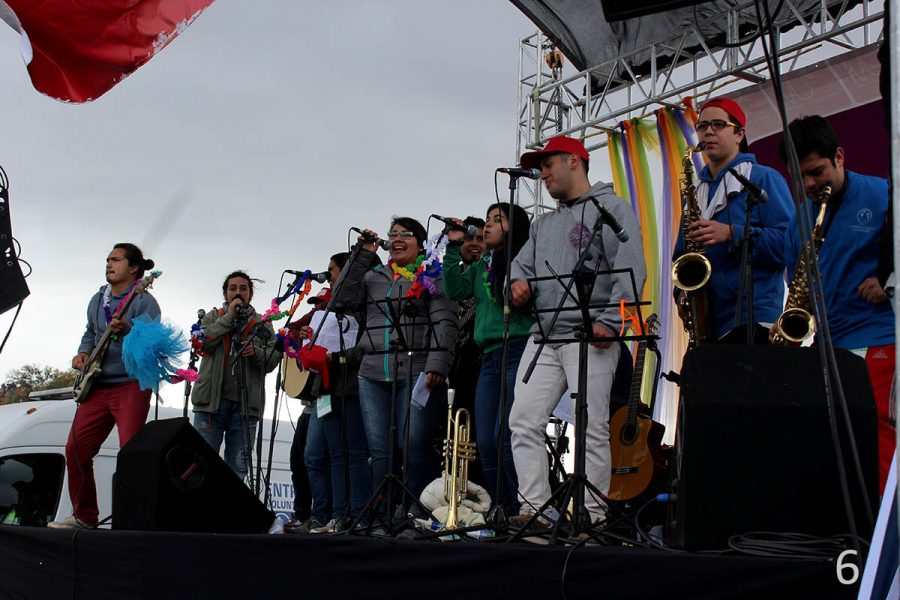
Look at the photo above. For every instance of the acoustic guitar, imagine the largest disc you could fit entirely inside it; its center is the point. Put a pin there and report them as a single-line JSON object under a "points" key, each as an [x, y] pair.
{"points": [[297, 382], [92, 369], [635, 439]]}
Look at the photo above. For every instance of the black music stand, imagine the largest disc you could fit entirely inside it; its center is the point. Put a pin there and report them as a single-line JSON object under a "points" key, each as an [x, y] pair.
{"points": [[583, 279], [386, 489]]}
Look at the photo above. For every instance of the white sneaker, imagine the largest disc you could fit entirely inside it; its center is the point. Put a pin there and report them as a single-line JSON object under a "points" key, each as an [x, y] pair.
{"points": [[327, 528], [69, 522]]}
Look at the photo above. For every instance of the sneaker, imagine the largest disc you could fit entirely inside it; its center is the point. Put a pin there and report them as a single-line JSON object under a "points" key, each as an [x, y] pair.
{"points": [[70, 522], [307, 526], [326, 528], [293, 526]]}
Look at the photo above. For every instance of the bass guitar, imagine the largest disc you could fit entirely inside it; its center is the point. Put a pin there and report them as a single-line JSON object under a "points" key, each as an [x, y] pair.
{"points": [[634, 439], [92, 369]]}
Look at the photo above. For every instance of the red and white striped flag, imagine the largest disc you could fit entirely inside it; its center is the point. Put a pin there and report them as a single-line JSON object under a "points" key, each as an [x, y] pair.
{"points": [[77, 51]]}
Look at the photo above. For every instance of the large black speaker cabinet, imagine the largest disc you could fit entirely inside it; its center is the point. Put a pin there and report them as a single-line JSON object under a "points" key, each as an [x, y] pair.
{"points": [[169, 479], [13, 288], [754, 449]]}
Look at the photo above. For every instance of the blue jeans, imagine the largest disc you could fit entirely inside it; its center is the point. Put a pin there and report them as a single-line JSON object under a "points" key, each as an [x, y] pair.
{"points": [[239, 433], [325, 462], [375, 402], [487, 422]]}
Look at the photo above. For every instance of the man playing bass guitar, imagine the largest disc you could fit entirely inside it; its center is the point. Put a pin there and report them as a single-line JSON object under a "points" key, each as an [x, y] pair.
{"points": [[114, 398]]}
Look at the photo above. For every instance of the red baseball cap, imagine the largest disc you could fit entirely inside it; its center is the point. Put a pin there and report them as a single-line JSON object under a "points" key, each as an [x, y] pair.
{"points": [[557, 145], [729, 106], [323, 296]]}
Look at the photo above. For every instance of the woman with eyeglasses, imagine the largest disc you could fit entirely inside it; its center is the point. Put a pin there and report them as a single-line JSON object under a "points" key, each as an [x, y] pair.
{"points": [[410, 325], [723, 202]]}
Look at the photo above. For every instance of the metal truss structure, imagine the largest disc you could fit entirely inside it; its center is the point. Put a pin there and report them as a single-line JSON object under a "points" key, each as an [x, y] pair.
{"points": [[590, 103]]}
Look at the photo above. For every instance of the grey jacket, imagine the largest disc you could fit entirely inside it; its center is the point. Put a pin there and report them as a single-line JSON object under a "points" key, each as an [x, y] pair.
{"points": [[112, 369], [556, 238], [368, 288]]}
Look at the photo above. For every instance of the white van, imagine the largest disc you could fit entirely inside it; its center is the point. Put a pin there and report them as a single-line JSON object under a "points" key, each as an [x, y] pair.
{"points": [[33, 482]]}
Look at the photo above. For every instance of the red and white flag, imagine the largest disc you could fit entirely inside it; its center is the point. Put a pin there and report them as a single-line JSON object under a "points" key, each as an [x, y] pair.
{"points": [[77, 51]]}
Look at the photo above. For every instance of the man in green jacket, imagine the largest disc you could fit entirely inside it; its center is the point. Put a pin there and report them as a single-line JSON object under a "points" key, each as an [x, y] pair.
{"points": [[238, 350]]}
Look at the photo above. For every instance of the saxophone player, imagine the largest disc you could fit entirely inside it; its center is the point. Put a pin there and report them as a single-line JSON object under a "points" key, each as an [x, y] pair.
{"points": [[860, 317], [721, 129]]}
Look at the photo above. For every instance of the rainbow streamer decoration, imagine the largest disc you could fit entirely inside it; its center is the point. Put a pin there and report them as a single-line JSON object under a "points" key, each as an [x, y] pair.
{"points": [[659, 213]]}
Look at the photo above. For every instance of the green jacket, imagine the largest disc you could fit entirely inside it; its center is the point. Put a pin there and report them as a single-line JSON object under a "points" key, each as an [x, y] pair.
{"points": [[459, 285], [217, 326]]}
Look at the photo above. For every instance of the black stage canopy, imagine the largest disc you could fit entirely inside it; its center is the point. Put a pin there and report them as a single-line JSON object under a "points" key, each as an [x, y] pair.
{"points": [[580, 29]]}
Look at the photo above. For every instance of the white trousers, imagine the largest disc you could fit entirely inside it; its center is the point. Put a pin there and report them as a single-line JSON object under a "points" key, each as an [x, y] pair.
{"points": [[556, 371]]}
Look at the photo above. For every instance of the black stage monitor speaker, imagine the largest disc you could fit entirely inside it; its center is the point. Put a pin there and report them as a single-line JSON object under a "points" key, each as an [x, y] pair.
{"points": [[169, 479], [13, 288], [754, 449], [619, 10]]}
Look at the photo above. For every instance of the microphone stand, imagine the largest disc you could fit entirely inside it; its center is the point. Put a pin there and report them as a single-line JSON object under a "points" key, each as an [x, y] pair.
{"points": [[237, 363], [497, 517], [745, 285], [192, 363]]}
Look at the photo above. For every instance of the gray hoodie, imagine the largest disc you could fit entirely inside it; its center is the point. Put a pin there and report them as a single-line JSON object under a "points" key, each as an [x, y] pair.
{"points": [[556, 238]]}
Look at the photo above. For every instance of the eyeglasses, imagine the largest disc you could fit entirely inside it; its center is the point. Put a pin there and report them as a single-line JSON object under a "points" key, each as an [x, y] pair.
{"points": [[716, 124], [400, 234]]}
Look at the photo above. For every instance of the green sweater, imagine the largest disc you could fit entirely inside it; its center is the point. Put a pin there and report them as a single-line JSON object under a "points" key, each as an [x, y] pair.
{"points": [[459, 285]]}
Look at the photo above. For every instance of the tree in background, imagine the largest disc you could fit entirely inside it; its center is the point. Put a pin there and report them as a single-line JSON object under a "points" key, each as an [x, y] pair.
{"points": [[30, 378]]}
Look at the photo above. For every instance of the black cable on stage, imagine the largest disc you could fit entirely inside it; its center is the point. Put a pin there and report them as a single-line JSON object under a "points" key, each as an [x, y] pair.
{"points": [[9, 331], [788, 545], [834, 393]]}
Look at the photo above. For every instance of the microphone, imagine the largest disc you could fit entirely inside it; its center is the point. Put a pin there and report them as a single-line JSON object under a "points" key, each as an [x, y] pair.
{"points": [[516, 172], [470, 230], [317, 277], [611, 221], [383, 244], [752, 189]]}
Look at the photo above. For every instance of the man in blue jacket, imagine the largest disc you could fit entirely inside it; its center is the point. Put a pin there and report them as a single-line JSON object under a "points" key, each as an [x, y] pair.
{"points": [[723, 202], [860, 317]]}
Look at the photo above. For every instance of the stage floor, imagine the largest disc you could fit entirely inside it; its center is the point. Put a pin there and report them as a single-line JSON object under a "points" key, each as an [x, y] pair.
{"points": [[92, 564]]}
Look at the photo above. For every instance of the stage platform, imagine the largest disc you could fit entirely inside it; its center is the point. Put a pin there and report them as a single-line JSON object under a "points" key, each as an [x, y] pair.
{"points": [[92, 564]]}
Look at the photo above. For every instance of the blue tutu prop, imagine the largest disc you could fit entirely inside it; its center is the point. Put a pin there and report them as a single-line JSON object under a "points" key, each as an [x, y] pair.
{"points": [[149, 350]]}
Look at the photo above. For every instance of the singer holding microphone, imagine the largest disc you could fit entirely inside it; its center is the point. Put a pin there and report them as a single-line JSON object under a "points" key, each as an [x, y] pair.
{"points": [[425, 320], [557, 239], [730, 179], [229, 395]]}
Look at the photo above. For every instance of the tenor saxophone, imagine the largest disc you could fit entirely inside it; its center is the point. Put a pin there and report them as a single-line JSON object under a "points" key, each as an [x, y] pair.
{"points": [[691, 271], [797, 323]]}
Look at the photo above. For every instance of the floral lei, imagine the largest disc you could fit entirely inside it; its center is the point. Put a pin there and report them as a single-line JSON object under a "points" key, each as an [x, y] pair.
{"points": [[427, 268], [284, 337]]}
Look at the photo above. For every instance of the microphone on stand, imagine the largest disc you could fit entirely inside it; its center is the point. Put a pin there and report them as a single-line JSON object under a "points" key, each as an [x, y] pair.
{"points": [[470, 230], [383, 244], [317, 277], [611, 221], [752, 189], [516, 172]]}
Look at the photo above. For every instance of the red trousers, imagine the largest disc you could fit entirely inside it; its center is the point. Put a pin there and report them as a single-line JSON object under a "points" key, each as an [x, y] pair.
{"points": [[123, 405], [880, 361]]}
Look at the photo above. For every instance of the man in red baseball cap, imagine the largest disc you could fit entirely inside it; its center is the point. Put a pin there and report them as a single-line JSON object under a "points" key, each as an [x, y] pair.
{"points": [[723, 200], [558, 239]]}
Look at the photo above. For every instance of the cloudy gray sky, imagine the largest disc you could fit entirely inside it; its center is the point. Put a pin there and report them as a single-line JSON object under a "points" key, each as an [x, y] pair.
{"points": [[254, 141]]}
